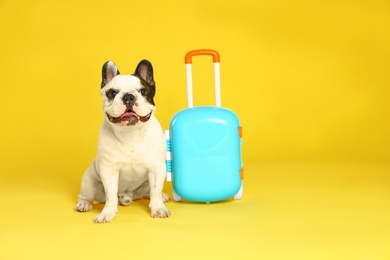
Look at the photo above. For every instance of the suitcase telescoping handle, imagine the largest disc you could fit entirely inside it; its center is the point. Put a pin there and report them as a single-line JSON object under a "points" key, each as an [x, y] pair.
{"points": [[217, 79]]}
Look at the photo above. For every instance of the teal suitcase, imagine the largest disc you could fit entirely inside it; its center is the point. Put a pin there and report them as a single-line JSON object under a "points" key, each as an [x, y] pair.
{"points": [[204, 146]]}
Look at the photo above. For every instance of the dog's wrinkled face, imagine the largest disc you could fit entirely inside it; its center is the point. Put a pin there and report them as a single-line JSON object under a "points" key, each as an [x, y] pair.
{"points": [[128, 99]]}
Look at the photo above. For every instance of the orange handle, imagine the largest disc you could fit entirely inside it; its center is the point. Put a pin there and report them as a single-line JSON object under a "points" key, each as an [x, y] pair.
{"points": [[190, 54]]}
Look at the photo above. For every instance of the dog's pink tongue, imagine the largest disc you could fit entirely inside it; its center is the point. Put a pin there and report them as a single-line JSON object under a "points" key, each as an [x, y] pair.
{"points": [[128, 118], [129, 114]]}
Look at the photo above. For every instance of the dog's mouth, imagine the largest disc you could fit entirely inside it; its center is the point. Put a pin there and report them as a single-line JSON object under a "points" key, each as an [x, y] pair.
{"points": [[129, 117]]}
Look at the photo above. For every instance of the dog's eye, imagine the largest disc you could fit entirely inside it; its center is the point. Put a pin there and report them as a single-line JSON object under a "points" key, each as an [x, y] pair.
{"points": [[142, 91], [111, 93]]}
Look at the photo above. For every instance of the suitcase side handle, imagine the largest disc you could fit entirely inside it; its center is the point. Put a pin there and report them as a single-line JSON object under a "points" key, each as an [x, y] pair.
{"points": [[217, 79]]}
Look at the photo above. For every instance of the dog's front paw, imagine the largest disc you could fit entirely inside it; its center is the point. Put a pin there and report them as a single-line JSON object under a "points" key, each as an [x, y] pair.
{"points": [[83, 206], [104, 217], [161, 212]]}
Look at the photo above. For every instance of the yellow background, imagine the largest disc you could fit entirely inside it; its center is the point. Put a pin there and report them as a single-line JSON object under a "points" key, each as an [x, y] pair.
{"points": [[309, 81]]}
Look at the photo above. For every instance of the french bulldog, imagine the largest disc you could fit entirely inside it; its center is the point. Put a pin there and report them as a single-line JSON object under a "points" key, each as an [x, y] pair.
{"points": [[130, 162]]}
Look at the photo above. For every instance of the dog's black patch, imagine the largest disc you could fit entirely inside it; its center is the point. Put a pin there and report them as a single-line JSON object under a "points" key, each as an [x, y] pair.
{"points": [[111, 93]]}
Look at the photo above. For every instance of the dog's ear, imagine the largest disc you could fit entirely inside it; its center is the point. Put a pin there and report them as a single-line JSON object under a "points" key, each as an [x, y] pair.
{"points": [[109, 71], [145, 71]]}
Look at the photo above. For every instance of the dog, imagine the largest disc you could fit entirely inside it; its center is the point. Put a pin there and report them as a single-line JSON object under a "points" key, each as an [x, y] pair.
{"points": [[130, 162]]}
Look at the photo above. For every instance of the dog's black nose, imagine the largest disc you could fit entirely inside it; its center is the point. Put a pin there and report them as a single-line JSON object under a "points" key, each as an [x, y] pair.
{"points": [[128, 99]]}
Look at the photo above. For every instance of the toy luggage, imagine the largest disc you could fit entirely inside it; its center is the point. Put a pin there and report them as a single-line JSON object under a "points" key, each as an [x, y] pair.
{"points": [[204, 146]]}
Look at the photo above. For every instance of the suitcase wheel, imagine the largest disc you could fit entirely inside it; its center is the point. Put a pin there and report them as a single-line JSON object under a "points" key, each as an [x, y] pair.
{"points": [[175, 196], [238, 195]]}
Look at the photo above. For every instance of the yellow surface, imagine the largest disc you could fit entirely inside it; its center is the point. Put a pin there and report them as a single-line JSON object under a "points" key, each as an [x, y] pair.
{"points": [[308, 80]]}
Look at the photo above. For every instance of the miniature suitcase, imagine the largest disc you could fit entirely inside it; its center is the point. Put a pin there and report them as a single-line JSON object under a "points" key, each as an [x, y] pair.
{"points": [[204, 146]]}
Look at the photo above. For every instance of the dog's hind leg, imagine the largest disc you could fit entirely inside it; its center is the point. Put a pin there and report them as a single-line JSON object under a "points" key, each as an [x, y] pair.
{"points": [[125, 198], [142, 191], [165, 197]]}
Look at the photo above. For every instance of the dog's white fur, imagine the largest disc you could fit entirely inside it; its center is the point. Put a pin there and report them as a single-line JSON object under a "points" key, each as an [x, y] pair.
{"points": [[130, 162]]}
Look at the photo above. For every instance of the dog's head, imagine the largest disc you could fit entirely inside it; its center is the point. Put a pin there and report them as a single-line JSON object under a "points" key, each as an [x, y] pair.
{"points": [[128, 99]]}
